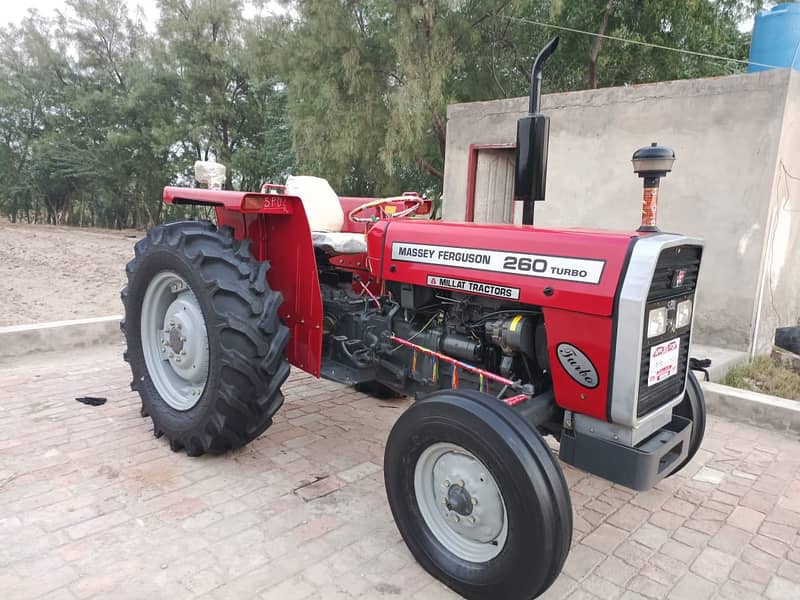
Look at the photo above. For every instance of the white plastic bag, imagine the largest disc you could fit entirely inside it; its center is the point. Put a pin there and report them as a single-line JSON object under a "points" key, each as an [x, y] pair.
{"points": [[210, 173]]}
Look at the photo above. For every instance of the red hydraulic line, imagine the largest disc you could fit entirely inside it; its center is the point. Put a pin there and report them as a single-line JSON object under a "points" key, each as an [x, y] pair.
{"points": [[453, 361], [514, 400]]}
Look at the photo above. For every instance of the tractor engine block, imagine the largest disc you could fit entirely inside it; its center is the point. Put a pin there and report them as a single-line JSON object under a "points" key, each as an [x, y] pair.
{"points": [[498, 336]]}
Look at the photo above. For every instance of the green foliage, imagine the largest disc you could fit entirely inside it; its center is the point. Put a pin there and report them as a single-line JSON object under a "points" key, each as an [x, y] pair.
{"points": [[98, 113], [369, 80], [767, 376]]}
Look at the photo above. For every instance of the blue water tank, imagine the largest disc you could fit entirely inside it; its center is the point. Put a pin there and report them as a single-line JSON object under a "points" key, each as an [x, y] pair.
{"points": [[776, 38]]}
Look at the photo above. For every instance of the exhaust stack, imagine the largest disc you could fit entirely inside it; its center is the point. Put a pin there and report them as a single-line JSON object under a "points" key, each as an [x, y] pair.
{"points": [[533, 134]]}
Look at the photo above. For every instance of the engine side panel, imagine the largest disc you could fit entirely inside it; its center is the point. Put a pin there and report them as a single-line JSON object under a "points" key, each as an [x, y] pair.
{"points": [[578, 348], [573, 270]]}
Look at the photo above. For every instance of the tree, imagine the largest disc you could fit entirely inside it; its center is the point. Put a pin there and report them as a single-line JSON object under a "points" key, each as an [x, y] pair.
{"points": [[371, 79], [706, 26], [229, 106], [337, 64], [97, 114], [32, 107]]}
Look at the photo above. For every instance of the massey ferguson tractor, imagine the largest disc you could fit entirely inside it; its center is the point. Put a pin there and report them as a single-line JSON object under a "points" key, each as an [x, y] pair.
{"points": [[504, 334]]}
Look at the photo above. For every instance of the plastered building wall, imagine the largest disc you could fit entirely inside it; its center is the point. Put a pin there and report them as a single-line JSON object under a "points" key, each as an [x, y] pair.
{"points": [[737, 141]]}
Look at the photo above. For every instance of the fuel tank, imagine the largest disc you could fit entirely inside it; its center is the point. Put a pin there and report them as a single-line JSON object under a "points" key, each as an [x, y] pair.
{"points": [[569, 269]]}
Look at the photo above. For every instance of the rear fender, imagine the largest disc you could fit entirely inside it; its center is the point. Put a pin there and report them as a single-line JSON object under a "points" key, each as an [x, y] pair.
{"points": [[229, 200], [279, 233]]}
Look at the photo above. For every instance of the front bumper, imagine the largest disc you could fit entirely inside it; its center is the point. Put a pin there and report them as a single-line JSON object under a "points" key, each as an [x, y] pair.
{"points": [[639, 467]]}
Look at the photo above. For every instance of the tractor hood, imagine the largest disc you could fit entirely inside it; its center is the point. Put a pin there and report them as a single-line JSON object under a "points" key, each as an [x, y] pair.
{"points": [[571, 269]]}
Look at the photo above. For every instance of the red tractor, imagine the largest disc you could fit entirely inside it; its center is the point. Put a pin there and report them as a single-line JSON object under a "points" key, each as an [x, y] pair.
{"points": [[505, 334]]}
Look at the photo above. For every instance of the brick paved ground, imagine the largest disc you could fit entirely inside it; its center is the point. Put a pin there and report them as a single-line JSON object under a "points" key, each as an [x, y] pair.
{"points": [[92, 506]]}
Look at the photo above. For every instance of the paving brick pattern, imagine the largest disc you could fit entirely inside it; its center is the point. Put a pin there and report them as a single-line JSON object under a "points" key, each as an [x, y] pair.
{"points": [[92, 506]]}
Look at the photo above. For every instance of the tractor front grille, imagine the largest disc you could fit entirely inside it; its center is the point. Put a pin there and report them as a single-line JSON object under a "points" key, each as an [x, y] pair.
{"points": [[674, 280], [670, 260]]}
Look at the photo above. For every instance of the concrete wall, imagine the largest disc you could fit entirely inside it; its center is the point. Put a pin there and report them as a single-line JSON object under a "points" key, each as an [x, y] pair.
{"points": [[779, 293], [729, 133]]}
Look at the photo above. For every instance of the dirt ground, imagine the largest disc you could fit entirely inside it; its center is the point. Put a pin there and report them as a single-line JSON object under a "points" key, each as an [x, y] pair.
{"points": [[53, 273]]}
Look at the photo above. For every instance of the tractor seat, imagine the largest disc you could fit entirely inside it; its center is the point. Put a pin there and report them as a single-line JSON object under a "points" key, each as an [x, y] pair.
{"points": [[325, 215]]}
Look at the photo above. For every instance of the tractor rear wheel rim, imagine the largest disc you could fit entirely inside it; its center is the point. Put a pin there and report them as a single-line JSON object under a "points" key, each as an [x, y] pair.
{"points": [[460, 502], [174, 340]]}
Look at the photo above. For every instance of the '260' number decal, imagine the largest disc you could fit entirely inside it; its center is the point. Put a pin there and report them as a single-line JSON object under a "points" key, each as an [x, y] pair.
{"points": [[520, 263]]}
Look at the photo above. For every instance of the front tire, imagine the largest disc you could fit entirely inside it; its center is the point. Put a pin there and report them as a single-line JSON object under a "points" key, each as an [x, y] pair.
{"points": [[205, 345], [478, 496], [692, 407]]}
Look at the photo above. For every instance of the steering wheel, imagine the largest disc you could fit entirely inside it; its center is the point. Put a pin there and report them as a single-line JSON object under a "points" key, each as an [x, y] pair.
{"points": [[380, 203]]}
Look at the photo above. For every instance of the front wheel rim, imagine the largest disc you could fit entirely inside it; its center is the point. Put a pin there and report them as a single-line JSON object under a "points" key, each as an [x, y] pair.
{"points": [[174, 341], [460, 502]]}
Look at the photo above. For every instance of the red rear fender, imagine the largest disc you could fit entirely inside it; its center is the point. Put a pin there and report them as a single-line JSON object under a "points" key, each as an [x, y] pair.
{"points": [[285, 241]]}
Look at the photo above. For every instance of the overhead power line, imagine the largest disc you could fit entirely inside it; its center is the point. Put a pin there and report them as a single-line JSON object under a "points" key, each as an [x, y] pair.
{"points": [[639, 43]]}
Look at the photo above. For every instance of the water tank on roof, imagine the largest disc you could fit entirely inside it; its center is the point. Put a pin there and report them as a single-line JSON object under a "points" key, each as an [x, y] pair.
{"points": [[776, 37]]}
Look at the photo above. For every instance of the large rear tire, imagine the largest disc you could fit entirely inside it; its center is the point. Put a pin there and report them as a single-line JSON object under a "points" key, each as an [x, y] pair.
{"points": [[205, 345], [692, 407], [478, 496]]}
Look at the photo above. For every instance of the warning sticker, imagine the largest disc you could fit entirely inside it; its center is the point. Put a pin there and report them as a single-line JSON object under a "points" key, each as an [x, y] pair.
{"points": [[473, 287], [663, 361], [582, 270]]}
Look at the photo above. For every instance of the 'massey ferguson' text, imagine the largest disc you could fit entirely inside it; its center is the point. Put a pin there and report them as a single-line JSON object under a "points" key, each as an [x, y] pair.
{"points": [[582, 270]]}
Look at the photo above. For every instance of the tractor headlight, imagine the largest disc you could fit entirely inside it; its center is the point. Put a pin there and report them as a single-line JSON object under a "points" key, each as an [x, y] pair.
{"points": [[656, 322], [683, 314]]}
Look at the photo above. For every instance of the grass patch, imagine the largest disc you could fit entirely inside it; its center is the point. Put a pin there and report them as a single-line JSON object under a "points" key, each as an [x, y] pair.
{"points": [[767, 376]]}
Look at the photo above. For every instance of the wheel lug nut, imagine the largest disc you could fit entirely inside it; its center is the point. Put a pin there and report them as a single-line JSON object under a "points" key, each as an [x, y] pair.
{"points": [[456, 519], [474, 501], [472, 520], [461, 483], [446, 483]]}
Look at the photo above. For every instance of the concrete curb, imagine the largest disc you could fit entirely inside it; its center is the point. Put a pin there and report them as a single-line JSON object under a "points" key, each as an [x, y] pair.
{"points": [[17, 340], [753, 408]]}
